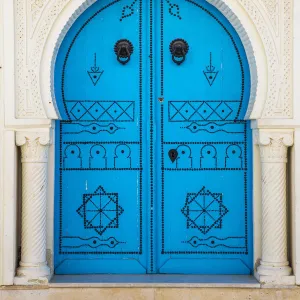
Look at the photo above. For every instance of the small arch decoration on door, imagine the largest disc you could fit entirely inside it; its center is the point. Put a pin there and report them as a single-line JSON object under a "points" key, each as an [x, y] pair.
{"points": [[153, 170]]}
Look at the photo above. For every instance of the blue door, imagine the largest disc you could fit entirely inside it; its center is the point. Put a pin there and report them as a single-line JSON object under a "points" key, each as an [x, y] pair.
{"points": [[153, 171]]}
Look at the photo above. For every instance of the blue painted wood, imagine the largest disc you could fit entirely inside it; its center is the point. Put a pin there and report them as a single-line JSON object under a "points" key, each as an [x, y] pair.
{"points": [[153, 171]]}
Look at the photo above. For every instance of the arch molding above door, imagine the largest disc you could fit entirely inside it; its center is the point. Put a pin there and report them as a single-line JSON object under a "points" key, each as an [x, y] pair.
{"points": [[265, 33]]}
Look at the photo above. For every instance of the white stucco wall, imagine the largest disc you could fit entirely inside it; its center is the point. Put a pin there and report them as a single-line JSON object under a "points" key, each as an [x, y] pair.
{"points": [[1, 138], [295, 171]]}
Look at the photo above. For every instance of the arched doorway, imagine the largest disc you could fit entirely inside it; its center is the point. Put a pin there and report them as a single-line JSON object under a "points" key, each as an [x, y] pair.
{"points": [[153, 152]]}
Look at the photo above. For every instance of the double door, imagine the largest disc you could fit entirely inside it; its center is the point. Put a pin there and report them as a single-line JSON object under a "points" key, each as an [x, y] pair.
{"points": [[153, 155]]}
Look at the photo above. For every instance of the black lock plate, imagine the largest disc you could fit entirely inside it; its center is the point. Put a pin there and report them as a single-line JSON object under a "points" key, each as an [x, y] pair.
{"points": [[173, 154]]}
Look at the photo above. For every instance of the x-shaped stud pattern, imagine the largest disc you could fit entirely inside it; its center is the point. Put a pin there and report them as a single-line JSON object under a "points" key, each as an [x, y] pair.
{"points": [[186, 111], [102, 111]]}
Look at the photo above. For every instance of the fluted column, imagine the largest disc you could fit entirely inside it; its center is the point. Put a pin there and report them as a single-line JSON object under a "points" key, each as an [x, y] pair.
{"points": [[274, 267], [33, 267]]}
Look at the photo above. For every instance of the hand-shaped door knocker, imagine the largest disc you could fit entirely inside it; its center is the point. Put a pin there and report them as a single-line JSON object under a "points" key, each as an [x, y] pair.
{"points": [[123, 50], [179, 48]]}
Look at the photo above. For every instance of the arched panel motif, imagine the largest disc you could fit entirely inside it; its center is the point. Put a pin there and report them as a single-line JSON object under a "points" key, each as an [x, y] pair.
{"points": [[154, 150]]}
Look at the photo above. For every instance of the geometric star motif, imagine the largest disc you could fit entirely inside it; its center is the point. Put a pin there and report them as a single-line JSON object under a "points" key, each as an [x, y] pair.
{"points": [[100, 210], [204, 210]]}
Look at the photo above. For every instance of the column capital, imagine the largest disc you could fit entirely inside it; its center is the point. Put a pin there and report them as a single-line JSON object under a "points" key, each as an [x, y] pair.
{"points": [[274, 144], [34, 145]]}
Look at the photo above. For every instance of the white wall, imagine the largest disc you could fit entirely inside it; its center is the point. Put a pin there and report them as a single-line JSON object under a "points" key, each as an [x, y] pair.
{"points": [[295, 180], [1, 140], [8, 149]]}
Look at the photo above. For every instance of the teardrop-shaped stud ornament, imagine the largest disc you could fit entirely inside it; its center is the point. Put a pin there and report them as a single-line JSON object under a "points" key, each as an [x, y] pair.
{"points": [[173, 154]]}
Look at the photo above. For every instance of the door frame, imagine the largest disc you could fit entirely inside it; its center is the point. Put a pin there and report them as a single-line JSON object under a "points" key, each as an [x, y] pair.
{"points": [[158, 211], [234, 13], [254, 33]]}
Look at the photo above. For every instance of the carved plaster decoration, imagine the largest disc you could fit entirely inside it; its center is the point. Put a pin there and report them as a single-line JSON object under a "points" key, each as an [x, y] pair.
{"points": [[272, 18], [28, 53], [36, 7], [33, 267], [278, 44], [47, 76], [274, 145], [33, 146], [35, 10], [272, 7], [287, 53], [274, 266], [29, 105]]}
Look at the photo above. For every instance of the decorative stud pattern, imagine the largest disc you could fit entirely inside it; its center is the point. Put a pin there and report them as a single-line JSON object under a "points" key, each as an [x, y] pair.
{"points": [[252, 4], [76, 154], [95, 73], [255, 9], [214, 242], [100, 210], [101, 111], [204, 210], [222, 148], [213, 127], [152, 157], [94, 128], [74, 242], [196, 111], [128, 11], [205, 156], [174, 9], [92, 132], [210, 73]]}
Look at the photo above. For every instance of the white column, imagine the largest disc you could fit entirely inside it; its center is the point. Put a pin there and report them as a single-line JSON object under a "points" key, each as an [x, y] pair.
{"points": [[33, 267], [274, 267]]}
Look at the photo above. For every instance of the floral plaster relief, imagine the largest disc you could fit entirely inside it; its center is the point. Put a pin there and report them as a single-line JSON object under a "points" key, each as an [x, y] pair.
{"points": [[273, 20]]}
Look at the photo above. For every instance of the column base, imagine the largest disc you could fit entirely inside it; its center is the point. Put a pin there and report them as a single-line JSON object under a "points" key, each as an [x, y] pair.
{"points": [[275, 276], [33, 275]]}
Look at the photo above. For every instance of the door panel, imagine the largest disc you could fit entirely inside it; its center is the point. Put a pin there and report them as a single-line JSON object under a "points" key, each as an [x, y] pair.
{"points": [[101, 213], [205, 194], [153, 153]]}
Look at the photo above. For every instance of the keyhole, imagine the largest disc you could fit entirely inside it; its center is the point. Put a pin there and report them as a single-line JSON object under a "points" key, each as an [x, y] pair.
{"points": [[173, 154]]}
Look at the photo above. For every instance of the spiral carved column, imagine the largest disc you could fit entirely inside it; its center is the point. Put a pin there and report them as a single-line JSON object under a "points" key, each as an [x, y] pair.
{"points": [[274, 267], [33, 267]]}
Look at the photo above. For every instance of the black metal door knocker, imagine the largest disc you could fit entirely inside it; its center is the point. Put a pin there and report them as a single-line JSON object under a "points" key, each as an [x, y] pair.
{"points": [[123, 50], [179, 48]]}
